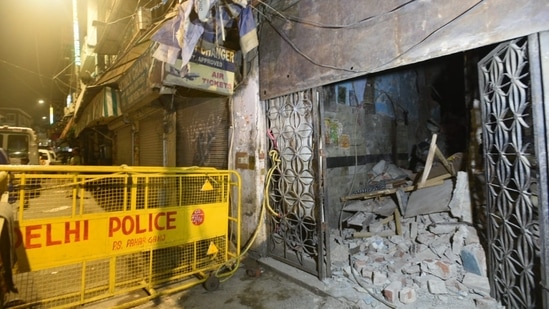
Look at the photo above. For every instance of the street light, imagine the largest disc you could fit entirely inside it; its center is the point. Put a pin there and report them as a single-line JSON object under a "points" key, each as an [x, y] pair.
{"points": [[51, 110]]}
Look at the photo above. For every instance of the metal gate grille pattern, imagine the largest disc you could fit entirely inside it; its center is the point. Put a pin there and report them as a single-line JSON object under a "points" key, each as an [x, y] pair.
{"points": [[511, 173], [294, 235]]}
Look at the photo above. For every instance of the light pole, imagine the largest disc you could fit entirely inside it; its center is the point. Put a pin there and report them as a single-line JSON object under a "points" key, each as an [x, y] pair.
{"points": [[51, 110]]}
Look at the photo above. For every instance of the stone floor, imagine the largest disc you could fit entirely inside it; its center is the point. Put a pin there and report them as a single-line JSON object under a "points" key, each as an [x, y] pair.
{"points": [[279, 286]]}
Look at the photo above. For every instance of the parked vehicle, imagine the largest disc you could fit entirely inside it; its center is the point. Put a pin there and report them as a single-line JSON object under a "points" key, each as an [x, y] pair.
{"points": [[20, 144], [47, 157]]}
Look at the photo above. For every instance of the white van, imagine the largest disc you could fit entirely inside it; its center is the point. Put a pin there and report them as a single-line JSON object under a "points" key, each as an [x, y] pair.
{"points": [[47, 157], [20, 144]]}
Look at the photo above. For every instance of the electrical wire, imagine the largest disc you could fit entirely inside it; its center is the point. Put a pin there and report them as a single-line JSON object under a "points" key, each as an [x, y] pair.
{"points": [[313, 61], [299, 51], [429, 35], [22, 80], [358, 23], [37, 58], [23, 69]]}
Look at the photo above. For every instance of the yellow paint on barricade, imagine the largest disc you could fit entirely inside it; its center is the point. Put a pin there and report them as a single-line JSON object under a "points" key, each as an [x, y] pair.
{"points": [[65, 241], [89, 233]]}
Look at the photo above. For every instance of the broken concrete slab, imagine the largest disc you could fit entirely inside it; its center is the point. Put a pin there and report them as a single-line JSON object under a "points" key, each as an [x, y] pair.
{"points": [[360, 219], [436, 286], [438, 268], [476, 283], [429, 200], [473, 259], [460, 205], [487, 303], [383, 206]]}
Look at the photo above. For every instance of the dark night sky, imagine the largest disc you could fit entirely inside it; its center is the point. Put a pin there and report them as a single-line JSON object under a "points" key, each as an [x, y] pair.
{"points": [[37, 40]]}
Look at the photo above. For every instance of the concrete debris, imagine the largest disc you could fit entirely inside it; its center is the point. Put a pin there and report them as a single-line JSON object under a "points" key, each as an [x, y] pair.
{"points": [[487, 303], [429, 200], [386, 171], [414, 246], [382, 206], [438, 268], [474, 259], [391, 292], [407, 295], [437, 286], [460, 205], [435, 256], [477, 283]]}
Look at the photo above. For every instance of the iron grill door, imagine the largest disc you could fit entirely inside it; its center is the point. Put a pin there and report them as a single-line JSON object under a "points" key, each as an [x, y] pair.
{"points": [[515, 170], [296, 233]]}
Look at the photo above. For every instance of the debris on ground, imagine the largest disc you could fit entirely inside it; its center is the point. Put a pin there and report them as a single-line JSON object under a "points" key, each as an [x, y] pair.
{"points": [[412, 241]]}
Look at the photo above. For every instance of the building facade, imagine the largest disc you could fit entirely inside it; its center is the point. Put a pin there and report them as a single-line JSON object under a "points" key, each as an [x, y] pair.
{"points": [[330, 89]]}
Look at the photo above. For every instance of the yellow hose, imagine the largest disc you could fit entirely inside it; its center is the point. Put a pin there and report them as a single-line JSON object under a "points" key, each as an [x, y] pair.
{"points": [[273, 154]]}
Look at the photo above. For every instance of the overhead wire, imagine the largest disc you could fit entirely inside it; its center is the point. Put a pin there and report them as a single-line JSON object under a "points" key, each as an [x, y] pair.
{"points": [[343, 26], [37, 58], [20, 79], [299, 51], [285, 37], [290, 5], [431, 34], [23, 68]]}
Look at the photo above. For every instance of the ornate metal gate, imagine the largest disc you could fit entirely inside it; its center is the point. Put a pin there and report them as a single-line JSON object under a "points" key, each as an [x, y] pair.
{"points": [[515, 144], [296, 234]]}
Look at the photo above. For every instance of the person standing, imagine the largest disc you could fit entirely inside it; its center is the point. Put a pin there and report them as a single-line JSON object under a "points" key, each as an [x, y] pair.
{"points": [[76, 159], [4, 158]]}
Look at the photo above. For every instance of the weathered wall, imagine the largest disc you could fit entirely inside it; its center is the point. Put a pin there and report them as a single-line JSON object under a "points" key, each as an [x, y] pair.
{"points": [[319, 42], [247, 141]]}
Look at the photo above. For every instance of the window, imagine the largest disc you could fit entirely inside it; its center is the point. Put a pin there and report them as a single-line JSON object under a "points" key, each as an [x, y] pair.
{"points": [[18, 146], [10, 118]]}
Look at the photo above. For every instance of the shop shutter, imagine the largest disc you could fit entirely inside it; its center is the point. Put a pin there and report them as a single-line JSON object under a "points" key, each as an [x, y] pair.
{"points": [[124, 151], [150, 140], [202, 133]]}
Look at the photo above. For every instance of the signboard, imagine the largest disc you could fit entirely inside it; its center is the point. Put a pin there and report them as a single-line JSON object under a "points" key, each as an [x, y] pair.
{"points": [[103, 235], [133, 84], [210, 70]]}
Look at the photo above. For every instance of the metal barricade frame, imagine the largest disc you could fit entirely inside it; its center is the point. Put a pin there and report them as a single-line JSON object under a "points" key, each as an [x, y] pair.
{"points": [[87, 233]]}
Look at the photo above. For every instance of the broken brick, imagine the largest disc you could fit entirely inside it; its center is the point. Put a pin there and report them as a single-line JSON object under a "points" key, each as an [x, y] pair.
{"points": [[391, 291], [407, 295]]}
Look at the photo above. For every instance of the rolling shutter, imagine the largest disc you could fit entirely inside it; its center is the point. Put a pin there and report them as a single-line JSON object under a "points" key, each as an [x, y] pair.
{"points": [[124, 147], [202, 133], [150, 140]]}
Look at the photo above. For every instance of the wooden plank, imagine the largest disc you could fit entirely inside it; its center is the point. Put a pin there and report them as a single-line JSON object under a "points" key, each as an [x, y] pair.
{"points": [[429, 183], [445, 162], [429, 161], [398, 224], [386, 233]]}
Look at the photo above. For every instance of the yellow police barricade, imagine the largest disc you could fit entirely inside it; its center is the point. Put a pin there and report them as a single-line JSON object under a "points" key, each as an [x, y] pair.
{"points": [[88, 233]]}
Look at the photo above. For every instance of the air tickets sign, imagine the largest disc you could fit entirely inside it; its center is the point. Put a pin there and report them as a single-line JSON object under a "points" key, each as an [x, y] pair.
{"points": [[210, 70], [65, 240]]}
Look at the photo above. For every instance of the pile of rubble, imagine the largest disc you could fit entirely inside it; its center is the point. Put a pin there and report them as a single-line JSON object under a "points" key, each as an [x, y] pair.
{"points": [[436, 257], [414, 256]]}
